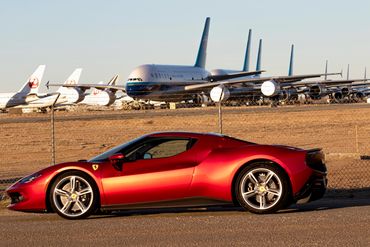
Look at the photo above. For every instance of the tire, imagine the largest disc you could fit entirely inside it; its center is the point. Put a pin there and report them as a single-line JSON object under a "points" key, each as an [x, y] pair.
{"points": [[258, 196], [74, 195]]}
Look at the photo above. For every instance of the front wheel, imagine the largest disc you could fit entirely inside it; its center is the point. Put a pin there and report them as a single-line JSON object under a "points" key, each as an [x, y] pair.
{"points": [[262, 188], [73, 195]]}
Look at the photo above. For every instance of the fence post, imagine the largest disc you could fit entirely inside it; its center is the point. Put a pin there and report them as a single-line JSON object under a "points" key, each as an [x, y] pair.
{"points": [[220, 117], [357, 147], [220, 110], [53, 130]]}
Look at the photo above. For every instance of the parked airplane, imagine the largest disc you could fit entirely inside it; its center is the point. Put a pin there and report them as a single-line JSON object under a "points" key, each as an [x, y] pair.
{"points": [[174, 83], [69, 93], [102, 97], [27, 94], [66, 95], [240, 91], [167, 82], [272, 87], [337, 90]]}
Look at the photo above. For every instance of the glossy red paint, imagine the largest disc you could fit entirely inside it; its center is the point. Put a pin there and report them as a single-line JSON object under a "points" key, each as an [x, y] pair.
{"points": [[206, 170]]}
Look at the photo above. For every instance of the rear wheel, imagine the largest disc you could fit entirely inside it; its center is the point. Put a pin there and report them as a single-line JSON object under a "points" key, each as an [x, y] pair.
{"points": [[262, 188], [74, 195]]}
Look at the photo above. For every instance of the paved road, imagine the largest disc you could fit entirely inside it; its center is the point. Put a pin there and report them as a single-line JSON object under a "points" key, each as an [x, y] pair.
{"points": [[327, 222], [149, 114]]}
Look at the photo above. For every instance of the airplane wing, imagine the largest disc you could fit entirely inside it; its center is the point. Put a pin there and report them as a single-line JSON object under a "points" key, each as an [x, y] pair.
{"points": [[87, 86], [118, 88], [327, 82], [279, 79], [213, 78]]}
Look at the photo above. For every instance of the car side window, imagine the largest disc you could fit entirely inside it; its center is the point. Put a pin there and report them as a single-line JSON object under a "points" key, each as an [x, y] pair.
{"points": [[166, 149], [160, 148]]}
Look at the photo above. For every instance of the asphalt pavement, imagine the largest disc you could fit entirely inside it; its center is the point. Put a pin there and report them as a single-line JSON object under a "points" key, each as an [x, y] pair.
{"points": [[327, 222]]}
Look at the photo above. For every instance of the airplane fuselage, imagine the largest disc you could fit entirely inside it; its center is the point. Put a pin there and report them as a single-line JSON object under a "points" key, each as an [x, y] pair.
{"points": [[8, 100], [164, 82]]}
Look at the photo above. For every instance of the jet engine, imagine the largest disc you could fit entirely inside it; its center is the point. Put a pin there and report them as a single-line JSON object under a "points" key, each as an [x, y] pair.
{"points": [[358, 96], [99, 97], [219, 93], [316, 91], [337, 96], [270, 88], [290, 94], [73, 95], [345, 91]]}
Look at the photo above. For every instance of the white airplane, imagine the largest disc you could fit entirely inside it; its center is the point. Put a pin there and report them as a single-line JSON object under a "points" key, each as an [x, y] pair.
{"points": [[67, 95], [102, 97], [71, 95], [167, 82], [27, 94], [175, 83]]}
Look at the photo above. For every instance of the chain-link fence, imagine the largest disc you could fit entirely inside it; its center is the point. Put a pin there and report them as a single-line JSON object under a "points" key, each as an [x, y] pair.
{"points": [[343, 131]]}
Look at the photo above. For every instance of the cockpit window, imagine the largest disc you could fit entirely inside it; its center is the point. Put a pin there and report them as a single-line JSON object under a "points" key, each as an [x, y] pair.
{"points": [[135, 79]]}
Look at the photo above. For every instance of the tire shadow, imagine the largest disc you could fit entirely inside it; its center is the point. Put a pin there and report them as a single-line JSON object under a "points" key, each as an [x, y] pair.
{"points": [[333, 199]]}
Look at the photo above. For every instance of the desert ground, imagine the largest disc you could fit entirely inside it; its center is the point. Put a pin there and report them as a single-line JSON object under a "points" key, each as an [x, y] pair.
{"points": [[343, 131]]}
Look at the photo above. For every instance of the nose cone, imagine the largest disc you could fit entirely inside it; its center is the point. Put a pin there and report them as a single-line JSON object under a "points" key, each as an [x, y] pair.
{"points": [[137, 84], [141, 73]]}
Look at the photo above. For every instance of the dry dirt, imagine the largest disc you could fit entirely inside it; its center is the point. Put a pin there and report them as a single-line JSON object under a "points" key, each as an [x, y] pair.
{"points": [[343, 131]]}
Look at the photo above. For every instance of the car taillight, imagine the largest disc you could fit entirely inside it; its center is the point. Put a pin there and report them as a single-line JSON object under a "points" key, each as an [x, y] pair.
{"points": [[315, 159]]}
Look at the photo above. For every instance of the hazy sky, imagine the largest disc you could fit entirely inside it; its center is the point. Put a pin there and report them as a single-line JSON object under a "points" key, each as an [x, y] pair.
{"points": [[113, 37]]}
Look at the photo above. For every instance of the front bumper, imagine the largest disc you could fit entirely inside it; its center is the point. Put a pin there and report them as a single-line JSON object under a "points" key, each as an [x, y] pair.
{"points": [[27, 197]]}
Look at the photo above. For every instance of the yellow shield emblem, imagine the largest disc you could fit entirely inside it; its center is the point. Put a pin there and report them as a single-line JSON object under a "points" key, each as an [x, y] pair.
{"points": [[95, 167]]}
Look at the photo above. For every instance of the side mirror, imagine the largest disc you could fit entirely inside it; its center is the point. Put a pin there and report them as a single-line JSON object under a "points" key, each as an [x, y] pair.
{"points": [[116, 157], [117, 160]]}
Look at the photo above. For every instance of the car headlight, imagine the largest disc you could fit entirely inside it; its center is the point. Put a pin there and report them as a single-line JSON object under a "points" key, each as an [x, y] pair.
{"points": [[29, 178]]}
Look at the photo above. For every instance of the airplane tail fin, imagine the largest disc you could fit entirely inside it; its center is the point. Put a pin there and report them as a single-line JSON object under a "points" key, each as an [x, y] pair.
{"points": [[365, 74], [290, 71], [202, 52], [326, 70], [258, 65], [33, 82], [74, 77], [348, 72], [247, 52], [113, 81]]}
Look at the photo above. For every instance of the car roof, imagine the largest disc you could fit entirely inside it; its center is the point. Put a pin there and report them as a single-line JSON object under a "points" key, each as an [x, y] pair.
{"points": [[183, 134]]}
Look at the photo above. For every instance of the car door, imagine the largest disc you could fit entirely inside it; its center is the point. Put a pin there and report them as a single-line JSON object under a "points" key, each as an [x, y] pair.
{"points": [[160, 169]]}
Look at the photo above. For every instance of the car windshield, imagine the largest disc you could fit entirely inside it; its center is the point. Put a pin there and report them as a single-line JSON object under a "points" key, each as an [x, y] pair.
{"points": [[104, 156]]}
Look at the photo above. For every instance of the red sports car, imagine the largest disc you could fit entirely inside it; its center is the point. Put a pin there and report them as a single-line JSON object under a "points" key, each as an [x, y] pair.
{"points": [[176, 169]]}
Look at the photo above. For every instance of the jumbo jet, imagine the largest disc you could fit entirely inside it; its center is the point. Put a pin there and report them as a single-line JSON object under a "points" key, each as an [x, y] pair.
{"points": [[27, 94], [167, 82], [273, 87], [174, 83]]}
